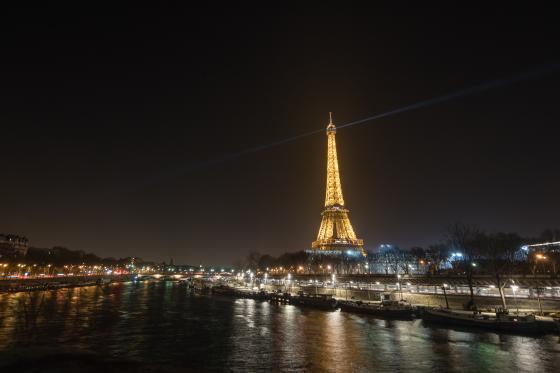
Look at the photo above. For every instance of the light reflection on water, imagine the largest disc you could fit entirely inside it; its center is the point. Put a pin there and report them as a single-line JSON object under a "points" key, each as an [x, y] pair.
{"points": [[161, 325]]}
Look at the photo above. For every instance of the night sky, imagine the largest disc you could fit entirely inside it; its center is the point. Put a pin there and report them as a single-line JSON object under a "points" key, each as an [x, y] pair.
{"points": [[111, 120]]}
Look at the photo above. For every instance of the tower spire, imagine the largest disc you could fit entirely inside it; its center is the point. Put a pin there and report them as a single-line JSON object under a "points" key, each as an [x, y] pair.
{"points": [[330, 117]]}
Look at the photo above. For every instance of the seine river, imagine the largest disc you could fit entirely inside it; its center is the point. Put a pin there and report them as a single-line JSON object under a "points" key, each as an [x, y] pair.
{"points": [[160, 326]]}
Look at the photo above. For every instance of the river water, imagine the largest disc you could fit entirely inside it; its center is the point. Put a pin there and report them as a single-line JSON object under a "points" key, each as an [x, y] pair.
{"points": [[161, 326]]}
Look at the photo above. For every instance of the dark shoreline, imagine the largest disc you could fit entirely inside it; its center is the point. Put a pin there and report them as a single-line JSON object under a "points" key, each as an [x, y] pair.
{"points": [[53, 283]]}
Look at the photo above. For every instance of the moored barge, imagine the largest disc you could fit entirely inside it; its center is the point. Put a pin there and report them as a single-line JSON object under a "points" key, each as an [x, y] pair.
{"points": [[385, 309], [500, 321]]}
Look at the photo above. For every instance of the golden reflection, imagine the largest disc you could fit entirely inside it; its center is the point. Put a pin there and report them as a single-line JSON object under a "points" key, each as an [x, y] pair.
{"points": [[136, 320]]}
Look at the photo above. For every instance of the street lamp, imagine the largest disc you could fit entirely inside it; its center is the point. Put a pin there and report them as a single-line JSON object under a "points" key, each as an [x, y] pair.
{"points": [[445, 295], [539, 299]]}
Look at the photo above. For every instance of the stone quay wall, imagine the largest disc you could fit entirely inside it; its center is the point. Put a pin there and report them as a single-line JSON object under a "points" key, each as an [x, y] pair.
{"points": [[456, 301]]}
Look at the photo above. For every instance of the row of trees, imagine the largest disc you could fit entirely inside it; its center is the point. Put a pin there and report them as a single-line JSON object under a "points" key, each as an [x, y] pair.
{"points": [[465, 250], [301, 262], [60, 256]]}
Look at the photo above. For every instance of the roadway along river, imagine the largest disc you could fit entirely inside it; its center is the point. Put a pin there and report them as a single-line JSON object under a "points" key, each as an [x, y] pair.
{"points": [[160, 326]]}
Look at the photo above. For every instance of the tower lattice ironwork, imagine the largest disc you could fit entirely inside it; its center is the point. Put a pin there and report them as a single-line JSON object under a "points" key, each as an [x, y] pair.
{"points": [[336, 234]]}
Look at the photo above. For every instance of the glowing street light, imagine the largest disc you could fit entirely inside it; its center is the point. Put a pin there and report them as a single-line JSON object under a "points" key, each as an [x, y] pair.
{"points": [[445, 296], [399, 284], [287, 282]]}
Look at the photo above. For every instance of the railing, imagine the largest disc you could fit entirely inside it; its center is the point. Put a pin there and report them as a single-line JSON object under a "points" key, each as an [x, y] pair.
{"points": [[338, 242]]}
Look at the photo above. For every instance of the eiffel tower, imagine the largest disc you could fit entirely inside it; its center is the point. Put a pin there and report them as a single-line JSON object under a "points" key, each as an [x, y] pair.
{"points": [[336, 235]]}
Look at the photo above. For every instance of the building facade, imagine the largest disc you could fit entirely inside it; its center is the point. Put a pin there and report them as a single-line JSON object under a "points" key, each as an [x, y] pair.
{"points": [[12, 246]]}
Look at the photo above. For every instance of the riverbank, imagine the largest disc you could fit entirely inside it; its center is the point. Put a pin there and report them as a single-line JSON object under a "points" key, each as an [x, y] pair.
{"points": [[455, 301], [525, 322], [50, 283]]}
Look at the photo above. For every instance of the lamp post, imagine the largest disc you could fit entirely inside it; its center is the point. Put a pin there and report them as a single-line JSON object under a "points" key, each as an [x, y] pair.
{"points": [[399, 284], [289, 283], [445, 296], [539, 299], [539, 257]]}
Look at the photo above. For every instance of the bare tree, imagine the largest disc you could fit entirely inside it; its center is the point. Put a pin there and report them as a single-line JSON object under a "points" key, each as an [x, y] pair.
{"points": [[436, 255], [500, 249], [253, 260], [466, 239], [419, 256]]}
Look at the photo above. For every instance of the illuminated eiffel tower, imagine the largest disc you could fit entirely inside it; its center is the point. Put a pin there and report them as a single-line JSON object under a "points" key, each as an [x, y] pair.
{"points": [[336, 235]]}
